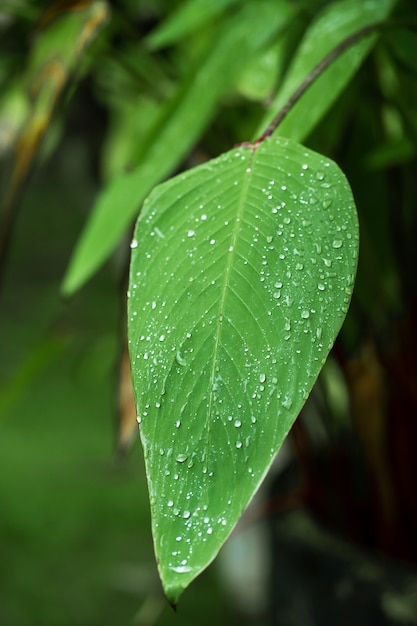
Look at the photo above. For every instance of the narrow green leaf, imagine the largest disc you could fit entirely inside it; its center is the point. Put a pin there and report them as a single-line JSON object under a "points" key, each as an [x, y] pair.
{"points": [[241, 275], [182, 121], [334, 24], [59, 47], [65, 34], [185, 19]]}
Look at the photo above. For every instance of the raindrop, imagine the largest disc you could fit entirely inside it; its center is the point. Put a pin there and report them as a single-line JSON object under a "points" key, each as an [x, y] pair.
{"points": [[181, 569], [177, 423], [321, 287], [190, 233], [262, 378], [337, 243], [134, 243], [238, 423], [180, 359], [170, 503], [320, 175], [181, 457], [238, 444], [186, 514], [305, 314], [287, 402]]}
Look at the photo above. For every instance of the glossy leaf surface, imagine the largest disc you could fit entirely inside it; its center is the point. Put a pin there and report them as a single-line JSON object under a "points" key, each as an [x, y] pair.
{"points": [[241, 275]]}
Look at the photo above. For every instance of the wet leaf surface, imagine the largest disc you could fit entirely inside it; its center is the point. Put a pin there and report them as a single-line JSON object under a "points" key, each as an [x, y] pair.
{"points": [[241, 276]]}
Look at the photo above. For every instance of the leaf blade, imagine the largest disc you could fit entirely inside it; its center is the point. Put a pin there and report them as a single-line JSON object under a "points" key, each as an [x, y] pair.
{"points": [[233, 308]]}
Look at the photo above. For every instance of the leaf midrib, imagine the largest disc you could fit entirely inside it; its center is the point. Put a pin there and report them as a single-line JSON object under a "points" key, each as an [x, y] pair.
{"points": [[229, 265]]}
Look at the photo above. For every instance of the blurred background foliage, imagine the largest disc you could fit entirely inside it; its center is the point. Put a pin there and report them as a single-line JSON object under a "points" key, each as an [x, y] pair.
{"points": [[90, 92]]}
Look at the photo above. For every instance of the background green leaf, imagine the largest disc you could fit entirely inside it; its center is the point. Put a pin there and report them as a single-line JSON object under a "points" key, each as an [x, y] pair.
{"points": [[188, 17], [242, 271], [333, 25], [58, 51]]}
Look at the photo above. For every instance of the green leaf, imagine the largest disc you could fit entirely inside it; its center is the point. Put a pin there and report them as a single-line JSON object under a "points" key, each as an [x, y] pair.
{"points": [[186, 19], [259, 78], [181, 122], [241, 275], [64, 38], [334, 24], [57, 53]]}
